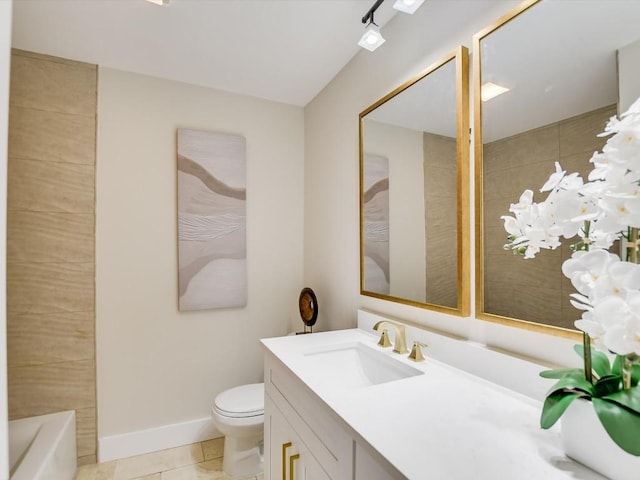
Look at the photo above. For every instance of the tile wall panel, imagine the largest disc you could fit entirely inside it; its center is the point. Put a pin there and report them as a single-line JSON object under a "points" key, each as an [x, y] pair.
{"points": [[50, 242], [38, 186], [62, 137], [50, 236], [50, 338], [440, 184], [512, 165], [46, 83], [86, 431], [52, 387], [49, 287]]}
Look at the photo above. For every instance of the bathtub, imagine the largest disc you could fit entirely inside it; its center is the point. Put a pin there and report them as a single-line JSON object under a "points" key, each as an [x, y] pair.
{"points": [[43, 447]]}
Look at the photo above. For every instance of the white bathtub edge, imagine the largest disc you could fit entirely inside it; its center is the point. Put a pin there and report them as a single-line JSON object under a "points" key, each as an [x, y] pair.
{"points": [[53, 450], [140, 442]]}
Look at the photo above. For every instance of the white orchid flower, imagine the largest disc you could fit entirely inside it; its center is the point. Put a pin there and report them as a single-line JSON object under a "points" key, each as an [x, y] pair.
{"points": [[554, 179]]}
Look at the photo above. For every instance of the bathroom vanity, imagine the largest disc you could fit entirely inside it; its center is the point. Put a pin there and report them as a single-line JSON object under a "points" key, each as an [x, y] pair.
{"points": [[340, 407]]}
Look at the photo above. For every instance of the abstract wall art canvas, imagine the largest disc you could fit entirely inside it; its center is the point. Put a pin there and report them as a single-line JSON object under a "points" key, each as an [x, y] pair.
{"points": [[212, 244], [376, 223]]}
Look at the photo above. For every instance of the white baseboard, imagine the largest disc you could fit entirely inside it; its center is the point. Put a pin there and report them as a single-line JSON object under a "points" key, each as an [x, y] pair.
{"points": [[154, 439]]}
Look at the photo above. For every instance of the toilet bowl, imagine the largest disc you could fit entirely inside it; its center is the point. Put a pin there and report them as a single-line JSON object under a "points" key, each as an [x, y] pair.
{"points": [[238, 413]]}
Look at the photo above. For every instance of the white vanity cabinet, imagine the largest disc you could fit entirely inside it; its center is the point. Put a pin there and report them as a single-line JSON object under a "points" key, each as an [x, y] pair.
{"points": [[355, 411], [299, 423], [293, 412], [288, 458]]}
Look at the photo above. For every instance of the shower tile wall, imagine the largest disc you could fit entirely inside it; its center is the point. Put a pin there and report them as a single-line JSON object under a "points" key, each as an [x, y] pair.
{"points": [[50, 244], [512, 165]]}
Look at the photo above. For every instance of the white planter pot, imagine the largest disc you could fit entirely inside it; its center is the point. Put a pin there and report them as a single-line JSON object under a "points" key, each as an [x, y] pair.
{"points": [[585, 440]]}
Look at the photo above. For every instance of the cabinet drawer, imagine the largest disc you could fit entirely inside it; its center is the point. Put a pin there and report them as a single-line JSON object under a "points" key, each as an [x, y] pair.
{"points": [[326, 439]]}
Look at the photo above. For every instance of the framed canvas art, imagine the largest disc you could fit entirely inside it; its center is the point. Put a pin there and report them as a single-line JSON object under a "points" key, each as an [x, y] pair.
{"points": [[212, 243]]}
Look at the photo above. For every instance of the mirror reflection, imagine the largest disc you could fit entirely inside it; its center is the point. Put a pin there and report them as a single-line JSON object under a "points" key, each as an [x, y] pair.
{"points": [[559, 63], [411, 163]]}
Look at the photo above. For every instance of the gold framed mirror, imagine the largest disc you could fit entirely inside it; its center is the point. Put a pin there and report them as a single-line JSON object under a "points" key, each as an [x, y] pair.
{"points": [[414, 190], [559, 62]]}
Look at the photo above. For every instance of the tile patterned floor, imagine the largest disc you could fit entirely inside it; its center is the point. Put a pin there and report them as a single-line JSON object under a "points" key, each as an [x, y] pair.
{"points": [[198, 461]]}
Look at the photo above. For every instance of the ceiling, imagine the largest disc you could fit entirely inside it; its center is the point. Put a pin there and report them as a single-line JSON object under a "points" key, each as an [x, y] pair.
{"points": [[281, 50], [558, 58]]}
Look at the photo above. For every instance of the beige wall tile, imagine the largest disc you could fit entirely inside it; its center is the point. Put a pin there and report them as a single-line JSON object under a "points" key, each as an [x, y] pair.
{"points": [[86, 431], [51, 136], [50, 187], [500, 184], [440, 182], [531, 156], [441, 211], [541, 144], [439, 151], [580, 134], [48, 84], [158, 461], [542, 270], [50, 338], [50, 287], [51, 388], [50, 236], [534, 303]]}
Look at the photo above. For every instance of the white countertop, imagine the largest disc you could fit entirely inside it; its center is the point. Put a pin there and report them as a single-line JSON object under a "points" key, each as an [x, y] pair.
{"points": [[444, 424]]}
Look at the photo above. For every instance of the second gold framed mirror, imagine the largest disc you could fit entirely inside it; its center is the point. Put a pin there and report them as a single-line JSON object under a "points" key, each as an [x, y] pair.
{"points": [[414, 190], [557, 63]]}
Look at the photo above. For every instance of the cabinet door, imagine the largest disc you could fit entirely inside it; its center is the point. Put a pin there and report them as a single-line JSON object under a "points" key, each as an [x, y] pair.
{"points": [[286, 456]]}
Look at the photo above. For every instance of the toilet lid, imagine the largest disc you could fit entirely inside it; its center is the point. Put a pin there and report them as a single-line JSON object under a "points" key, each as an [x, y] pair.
{"points": [[243, 401]]}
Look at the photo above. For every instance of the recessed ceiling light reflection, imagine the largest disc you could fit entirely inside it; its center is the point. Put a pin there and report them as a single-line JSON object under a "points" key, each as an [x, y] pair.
{"points": [[491, 90]]}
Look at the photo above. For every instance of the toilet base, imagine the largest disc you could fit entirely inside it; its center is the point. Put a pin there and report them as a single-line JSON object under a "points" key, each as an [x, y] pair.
{"points": [[243, 456]]}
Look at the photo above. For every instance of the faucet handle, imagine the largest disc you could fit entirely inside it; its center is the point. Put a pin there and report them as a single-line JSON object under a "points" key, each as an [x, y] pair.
{"points": [[416, 352], [384, 339]]}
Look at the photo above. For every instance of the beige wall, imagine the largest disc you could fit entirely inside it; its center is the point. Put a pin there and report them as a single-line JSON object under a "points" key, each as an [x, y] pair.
{"points": [[512, 165], [50, 242], [158, 366], [331, 253], [5, 61], [331, 250], [441, 219], [403, 148]]}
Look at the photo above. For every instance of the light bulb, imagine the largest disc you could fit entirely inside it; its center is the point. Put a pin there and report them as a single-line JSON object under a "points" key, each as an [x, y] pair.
{"points": [[408, 6]]}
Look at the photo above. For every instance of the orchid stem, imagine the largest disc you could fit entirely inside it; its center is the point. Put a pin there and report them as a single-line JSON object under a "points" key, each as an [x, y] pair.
{"points": [[586, 343], [632, 245], [627, 368]]}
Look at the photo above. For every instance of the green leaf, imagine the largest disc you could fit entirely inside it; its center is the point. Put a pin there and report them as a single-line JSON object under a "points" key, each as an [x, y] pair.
{"points": [[607, 384], [555, 405], [621, 424], [573, 381], [599, 361], [560, 372], [627, 398]]}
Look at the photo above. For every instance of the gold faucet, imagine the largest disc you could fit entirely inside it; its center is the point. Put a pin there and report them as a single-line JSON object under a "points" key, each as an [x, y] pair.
{"points": [[400, 343]]}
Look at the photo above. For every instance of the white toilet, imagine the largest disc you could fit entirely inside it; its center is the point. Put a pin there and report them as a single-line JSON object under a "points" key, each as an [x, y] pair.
{"points": [[239, 414]]}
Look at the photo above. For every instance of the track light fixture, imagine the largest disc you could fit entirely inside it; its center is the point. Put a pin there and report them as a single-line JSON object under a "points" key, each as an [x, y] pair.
{"points": [[159, 2], [408, 6], [371, 38]]}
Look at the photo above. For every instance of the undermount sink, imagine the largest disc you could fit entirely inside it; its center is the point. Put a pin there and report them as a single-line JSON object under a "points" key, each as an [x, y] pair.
{"points": [[354, 365]]}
